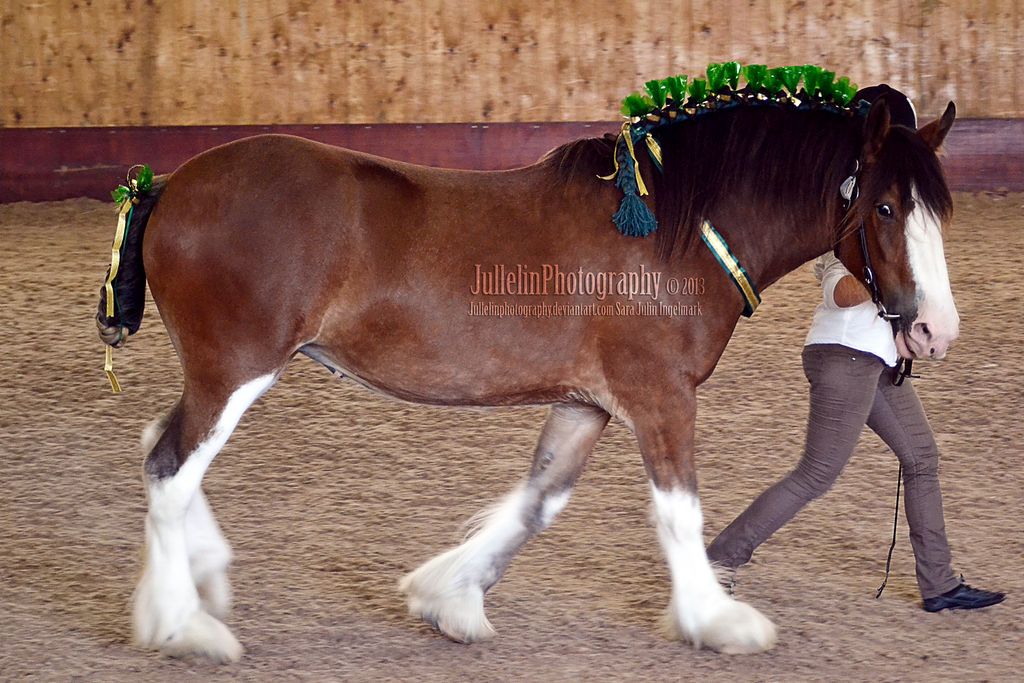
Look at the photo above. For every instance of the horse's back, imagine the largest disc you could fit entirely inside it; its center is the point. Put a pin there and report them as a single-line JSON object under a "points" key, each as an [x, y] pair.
{"points": [[278, 244], [297, 194]]}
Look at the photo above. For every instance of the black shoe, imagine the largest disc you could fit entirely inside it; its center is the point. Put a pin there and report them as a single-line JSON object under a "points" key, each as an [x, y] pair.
{"points": [[963, 597]]}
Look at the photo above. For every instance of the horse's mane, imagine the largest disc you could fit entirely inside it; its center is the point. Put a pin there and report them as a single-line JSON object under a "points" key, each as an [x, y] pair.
{"points": [[583, 158], [788, 163]]}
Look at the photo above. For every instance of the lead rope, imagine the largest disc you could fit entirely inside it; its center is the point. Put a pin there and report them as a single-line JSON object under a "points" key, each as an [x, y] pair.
{"points": [[904, 368], [895, 519]]}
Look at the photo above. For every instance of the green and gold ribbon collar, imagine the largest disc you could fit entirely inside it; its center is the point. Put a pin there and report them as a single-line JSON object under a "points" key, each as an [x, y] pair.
{"points": [[732, 266]]}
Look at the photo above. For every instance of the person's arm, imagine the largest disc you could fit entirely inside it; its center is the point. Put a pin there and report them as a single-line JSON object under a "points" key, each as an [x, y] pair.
{"points": [[850, 291]]}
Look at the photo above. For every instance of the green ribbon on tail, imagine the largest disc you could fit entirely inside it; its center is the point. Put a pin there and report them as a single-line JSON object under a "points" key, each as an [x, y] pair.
{"points": [[125, 196]]}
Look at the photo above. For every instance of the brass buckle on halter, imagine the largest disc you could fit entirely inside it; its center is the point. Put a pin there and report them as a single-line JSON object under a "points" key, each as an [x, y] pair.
{"points": [[876, 297]]}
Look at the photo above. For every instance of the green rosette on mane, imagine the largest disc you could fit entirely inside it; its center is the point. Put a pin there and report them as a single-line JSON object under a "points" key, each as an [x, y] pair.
{"points": [[721, 86], [679, 98]]}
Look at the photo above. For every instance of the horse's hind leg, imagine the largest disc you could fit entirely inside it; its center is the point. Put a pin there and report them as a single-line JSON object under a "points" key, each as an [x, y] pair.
{"points": [[208, 551], [448, 591], [184, 547], [208, 557]]}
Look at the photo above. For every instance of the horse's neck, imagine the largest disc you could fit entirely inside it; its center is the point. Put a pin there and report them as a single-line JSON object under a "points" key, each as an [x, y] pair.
{"points": [[770, 246], [768, 200]]}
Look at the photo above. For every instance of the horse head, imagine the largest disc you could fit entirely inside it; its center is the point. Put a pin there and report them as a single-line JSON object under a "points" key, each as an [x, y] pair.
{"points": [[892, 234]]}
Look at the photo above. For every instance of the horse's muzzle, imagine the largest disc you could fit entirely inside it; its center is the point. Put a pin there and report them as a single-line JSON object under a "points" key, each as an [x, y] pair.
{"points": [[926, 340]]}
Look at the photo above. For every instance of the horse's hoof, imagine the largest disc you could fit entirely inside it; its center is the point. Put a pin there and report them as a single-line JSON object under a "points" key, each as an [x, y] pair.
{"points": [[463, 630], [464, 622], [735, 629], [458, 615], [738, 630], [204, 636]]}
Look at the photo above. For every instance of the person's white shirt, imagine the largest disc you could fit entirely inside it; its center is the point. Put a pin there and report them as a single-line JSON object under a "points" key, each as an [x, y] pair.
{"points": [[858, 327]]}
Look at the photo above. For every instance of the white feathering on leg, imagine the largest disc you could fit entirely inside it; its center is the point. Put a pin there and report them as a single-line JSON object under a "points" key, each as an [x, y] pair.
{"points": [[448, 590], [700, 611], [167, 614], [209, 556]]}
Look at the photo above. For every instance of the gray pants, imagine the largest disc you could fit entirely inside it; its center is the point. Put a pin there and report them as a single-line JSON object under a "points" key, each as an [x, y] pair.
{"points": [[849, 389]]}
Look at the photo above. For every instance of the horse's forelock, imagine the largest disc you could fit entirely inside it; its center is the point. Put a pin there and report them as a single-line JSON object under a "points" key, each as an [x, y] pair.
{"points": [[908, 163]]}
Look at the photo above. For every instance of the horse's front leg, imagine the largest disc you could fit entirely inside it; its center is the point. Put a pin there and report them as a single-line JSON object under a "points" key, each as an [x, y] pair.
{"points": [[448, 591], [700, 611]]}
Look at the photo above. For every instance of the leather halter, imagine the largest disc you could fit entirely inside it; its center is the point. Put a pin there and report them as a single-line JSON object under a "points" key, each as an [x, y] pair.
{"points": [[849, 191]]}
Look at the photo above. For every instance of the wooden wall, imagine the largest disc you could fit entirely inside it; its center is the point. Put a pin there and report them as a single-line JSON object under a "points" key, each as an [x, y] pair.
{"points": [[68, 63]]}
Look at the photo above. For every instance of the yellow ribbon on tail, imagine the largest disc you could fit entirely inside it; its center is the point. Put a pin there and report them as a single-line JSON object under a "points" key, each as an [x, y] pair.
{"points": [[108, 367], [123, 214]]}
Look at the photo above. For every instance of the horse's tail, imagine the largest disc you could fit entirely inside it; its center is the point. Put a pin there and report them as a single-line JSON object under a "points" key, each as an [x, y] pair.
{"points": [[129, 284]]}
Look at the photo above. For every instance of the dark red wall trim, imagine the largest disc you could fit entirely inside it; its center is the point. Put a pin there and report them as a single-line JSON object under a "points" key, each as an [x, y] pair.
{"points": [[45, 164]]}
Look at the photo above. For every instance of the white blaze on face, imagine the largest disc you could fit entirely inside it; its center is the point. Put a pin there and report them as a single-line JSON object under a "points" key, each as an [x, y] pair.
{"points": [[938, 323]]}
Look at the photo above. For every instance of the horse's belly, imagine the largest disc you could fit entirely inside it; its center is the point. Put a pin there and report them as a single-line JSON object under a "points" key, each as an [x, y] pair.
{"points": [[458, 363]]}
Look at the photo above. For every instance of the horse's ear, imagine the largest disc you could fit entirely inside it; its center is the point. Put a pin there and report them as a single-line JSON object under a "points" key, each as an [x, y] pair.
{"points": [[875, 129], [935, 132]]}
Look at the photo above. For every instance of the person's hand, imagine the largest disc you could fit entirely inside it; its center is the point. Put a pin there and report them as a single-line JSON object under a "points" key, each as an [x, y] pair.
{"points": [[850, 291]]}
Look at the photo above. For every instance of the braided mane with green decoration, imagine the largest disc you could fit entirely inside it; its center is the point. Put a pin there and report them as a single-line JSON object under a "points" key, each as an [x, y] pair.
{"points": [[677, 99]]}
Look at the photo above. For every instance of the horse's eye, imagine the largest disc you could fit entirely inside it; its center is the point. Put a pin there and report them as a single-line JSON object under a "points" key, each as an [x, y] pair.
{"points": [[884, 210]]}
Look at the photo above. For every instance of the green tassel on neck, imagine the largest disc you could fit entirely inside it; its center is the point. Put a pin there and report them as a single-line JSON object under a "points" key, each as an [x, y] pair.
{"points": [[633, 218]]}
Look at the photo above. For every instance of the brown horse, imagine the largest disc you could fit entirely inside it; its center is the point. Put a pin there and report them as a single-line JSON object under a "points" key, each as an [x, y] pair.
{"points": [[505, 288]]}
